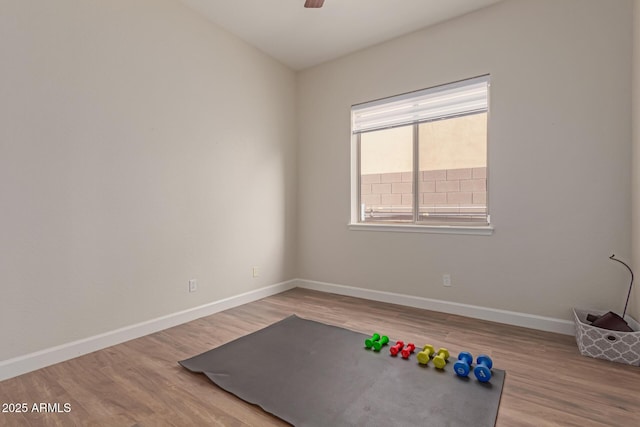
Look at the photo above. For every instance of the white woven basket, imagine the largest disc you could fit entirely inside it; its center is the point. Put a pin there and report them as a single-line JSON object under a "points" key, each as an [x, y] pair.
{"points": [[621, 347]]}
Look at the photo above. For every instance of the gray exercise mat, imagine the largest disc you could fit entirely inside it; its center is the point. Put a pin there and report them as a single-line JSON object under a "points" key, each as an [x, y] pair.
{"points": [[311, 374]]}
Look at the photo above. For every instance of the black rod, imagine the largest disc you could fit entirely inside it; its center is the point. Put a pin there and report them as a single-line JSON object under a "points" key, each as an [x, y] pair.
{"points": [[630, 285]]}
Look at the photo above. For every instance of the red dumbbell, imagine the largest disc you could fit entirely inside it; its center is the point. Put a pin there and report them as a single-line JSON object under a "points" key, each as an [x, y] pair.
{"points": [[396, 348], [406, 352]]}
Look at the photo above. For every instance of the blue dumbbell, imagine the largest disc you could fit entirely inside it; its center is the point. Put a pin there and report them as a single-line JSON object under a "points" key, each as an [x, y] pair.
{"points": [[482, 371], [463, 365]]}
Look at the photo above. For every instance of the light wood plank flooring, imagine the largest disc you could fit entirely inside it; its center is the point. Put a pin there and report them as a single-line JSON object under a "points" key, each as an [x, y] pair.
{"points": [[139, 383]]}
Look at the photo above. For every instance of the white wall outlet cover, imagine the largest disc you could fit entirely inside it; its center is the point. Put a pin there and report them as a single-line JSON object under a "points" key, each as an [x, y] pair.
{"points": [[446, 280]]}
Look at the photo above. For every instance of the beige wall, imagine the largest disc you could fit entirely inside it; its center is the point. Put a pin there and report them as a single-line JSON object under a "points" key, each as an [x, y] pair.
{"points": [[560, 99], [454, 144], [122, 129], [442, 145], [636, 157], [387, 151]]}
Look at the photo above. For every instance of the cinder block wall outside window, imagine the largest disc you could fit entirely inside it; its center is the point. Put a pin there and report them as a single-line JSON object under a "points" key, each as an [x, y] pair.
{"points": [[445, 189]]}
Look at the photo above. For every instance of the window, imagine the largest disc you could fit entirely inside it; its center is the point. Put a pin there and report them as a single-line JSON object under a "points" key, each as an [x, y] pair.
{"points": [[421, 158]]}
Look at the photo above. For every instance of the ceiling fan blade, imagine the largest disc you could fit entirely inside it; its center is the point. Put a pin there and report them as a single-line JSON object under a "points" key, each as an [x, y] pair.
{"points": [[313, 3]]}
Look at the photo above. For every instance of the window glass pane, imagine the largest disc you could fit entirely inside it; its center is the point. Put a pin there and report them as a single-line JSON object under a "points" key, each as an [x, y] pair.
{"points": [[386, 177], [452, 177]]}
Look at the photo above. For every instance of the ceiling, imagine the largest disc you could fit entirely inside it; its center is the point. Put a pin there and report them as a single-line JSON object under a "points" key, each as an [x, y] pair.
{"points": [[301, 38]]}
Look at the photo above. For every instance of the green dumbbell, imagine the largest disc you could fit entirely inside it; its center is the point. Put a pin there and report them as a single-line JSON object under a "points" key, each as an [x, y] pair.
{"points": [[368, 343], [376, 341], [440, 360], [377, 345], [425, 355]]}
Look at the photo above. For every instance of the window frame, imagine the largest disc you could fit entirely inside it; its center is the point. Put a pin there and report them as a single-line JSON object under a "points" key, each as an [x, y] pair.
{"points": [[355, 222]]}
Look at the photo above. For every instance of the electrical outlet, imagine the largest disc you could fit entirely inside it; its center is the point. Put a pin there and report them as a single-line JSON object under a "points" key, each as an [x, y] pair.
{"points": [[446, 280], [255, 272], [193, 285]]}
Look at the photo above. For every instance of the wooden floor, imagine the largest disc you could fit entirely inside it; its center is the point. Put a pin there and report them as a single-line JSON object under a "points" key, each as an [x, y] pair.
{"points": [[139, 383]]}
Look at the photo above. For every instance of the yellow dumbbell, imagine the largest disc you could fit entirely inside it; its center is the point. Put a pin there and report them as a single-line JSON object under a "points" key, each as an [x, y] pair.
{"points": [[425, 355], [440, 360]]}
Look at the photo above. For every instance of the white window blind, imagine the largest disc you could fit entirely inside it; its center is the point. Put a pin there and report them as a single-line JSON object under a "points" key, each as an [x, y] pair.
{"points": [[450, 100]]}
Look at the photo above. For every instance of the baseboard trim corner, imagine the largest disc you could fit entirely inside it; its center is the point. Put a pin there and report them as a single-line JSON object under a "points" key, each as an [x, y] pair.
{"points": [[525, 320], [40, 359]]}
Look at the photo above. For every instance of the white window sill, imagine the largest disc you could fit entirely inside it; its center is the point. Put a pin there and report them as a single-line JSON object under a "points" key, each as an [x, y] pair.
{"points": [[478, 230]]}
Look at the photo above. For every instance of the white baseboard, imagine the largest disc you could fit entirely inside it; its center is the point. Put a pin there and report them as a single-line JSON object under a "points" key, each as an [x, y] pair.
{"points": [[532, 321], [30, 362]]}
